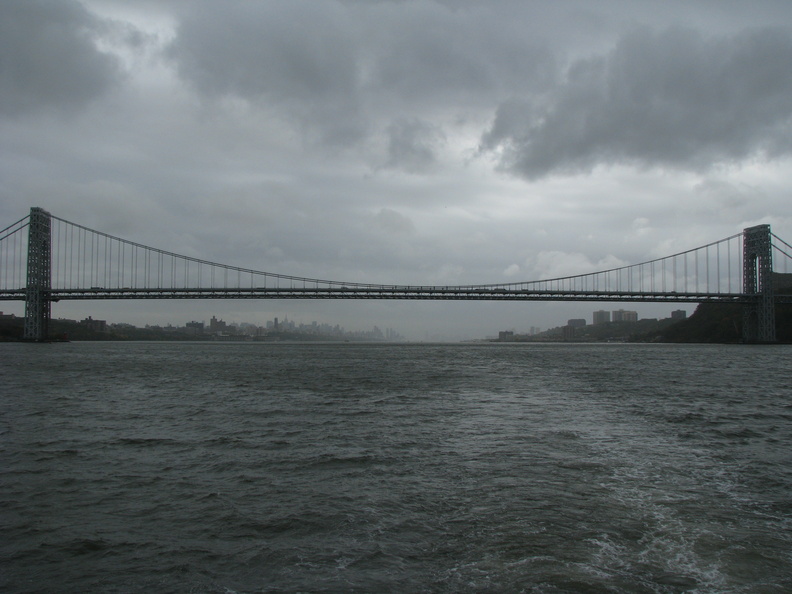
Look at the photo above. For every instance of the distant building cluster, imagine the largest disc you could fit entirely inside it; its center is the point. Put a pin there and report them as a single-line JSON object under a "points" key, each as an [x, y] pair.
{"points": [[619, 315], [575, 327], [89, 324], [511, 336], [276, 329], [94, 325]]}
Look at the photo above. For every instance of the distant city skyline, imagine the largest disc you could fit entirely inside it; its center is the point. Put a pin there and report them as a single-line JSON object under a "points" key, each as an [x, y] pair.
{"points": [[294, 321]]}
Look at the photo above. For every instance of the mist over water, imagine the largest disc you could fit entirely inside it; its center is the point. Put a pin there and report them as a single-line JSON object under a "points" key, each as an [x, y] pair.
{"points": [[196, 467]]}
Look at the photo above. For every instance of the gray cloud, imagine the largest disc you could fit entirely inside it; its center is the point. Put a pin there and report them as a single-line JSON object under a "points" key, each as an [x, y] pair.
{"points": [[457, 58], [48, 57], [340, 70], [674, 98], [394, 222], [412, 145], [297, 56]]}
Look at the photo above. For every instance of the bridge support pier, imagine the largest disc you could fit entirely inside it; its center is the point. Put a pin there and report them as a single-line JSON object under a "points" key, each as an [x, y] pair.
{"points": [[39, 276], [759, 314]]}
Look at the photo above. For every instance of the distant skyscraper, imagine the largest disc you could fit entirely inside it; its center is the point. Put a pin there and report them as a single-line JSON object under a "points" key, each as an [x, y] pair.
{"points": [[621, 315], [678, 314], [216, 325], [601, 317]]}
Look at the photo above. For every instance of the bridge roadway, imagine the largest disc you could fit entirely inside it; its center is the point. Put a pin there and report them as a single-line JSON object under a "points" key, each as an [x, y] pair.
{"points": [[396, 292]]}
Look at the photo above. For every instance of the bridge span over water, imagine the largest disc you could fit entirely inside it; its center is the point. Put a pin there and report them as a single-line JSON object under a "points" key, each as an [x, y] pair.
{"points": [[45, 259]]}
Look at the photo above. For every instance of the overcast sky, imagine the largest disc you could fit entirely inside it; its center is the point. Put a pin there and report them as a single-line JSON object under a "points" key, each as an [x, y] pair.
{"points": [[408, 142]]}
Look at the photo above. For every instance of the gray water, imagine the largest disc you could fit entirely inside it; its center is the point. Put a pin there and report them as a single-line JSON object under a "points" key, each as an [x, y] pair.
{"points": [[208, 467]]}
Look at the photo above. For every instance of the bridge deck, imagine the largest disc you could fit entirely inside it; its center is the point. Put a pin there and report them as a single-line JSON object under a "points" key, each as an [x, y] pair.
{"points": [[385, 292]]}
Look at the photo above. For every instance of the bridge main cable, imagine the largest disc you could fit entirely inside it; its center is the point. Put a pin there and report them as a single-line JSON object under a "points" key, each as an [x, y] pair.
{"points": [[636, 279]]}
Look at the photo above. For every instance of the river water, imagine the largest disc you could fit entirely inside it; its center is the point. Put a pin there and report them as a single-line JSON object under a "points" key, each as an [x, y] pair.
{"points": [[215, 467]]}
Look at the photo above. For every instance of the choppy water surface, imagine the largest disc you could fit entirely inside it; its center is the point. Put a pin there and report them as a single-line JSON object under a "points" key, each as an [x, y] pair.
{"points": [[155, 467]]}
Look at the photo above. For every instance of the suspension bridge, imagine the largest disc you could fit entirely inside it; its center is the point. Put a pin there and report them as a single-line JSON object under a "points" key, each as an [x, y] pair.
{"points": [[46, 259]]}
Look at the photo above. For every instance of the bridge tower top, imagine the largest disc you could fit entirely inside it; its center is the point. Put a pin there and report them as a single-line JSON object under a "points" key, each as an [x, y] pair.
{"points": [[39, 276], [758, 316]]}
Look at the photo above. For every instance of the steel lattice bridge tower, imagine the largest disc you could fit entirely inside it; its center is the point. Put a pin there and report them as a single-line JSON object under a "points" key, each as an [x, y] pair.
{"points": [[57, 260]]}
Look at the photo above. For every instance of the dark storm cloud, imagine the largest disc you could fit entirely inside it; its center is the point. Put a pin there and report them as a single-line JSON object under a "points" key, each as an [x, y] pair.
{"points": [[298, 57], [444, 57], [342, 70], [671, 98], [48, 57]]}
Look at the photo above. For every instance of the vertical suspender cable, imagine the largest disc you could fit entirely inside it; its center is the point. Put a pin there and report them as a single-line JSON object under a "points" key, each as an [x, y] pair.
{"points": [[708, 270], [7, 247], [652, 286], [698, 283], [71, 256], [79, 256], [54, 234], [686, 273]]}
